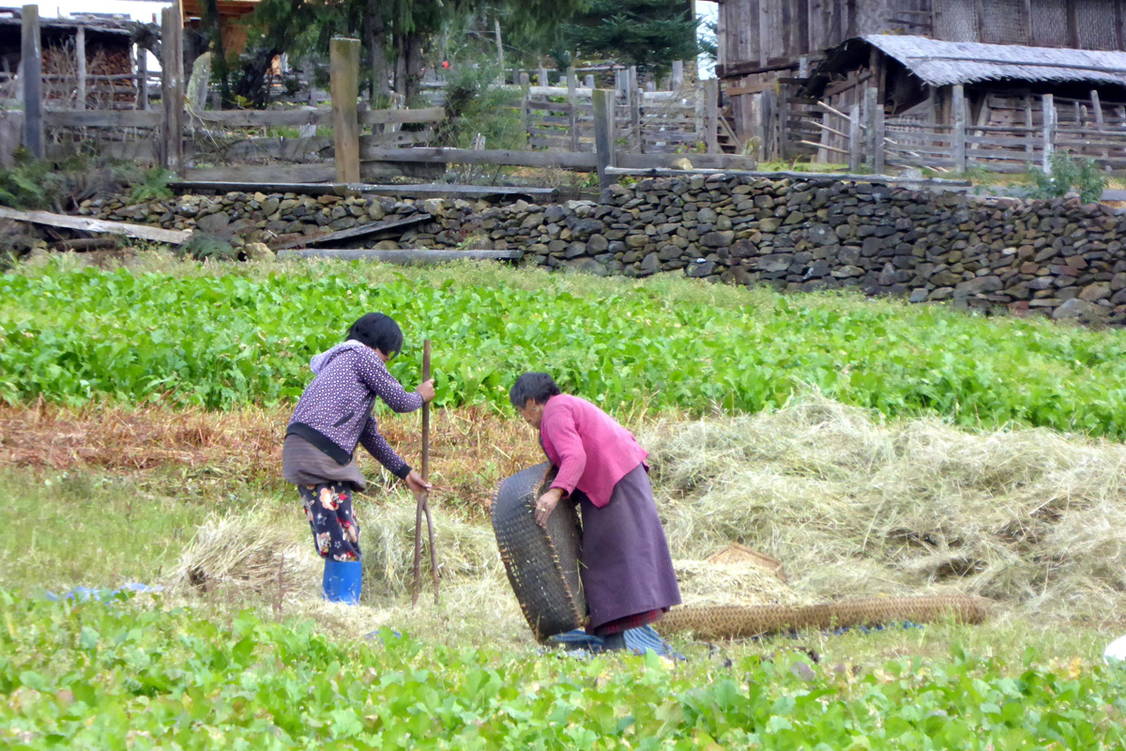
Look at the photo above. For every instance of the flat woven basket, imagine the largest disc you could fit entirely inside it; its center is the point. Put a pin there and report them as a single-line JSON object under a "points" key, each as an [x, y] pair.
{"points": [[542, 565]]}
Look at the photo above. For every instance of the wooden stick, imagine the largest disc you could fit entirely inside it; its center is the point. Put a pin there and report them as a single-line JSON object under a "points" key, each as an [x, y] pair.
{"points": [[422, 506]]}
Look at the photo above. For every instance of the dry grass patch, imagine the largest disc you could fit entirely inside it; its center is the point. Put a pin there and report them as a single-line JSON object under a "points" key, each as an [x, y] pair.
{"points": [[857, 507]]}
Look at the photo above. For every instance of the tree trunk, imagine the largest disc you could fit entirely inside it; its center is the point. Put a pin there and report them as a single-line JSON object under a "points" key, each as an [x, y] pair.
{"points": [[375, 29], [415, 44]]}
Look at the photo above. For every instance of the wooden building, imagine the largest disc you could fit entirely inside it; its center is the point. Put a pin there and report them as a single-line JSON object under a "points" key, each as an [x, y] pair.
{"points": [[100, 48], [779, 58]]}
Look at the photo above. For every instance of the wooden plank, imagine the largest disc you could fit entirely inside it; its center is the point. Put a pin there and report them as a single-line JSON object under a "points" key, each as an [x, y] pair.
{"points": [[353, 232], [290, 173], [437, 155], [172, 88], [103, 118], [411, 255], [403, 117], [102, 226], [31, 61], [785, 174], [344, 73], [424, 190], [266, 118]]}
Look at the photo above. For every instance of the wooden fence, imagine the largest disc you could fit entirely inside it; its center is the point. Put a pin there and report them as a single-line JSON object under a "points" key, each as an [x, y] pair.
{"points": [[346, 143], [1019, 135]]}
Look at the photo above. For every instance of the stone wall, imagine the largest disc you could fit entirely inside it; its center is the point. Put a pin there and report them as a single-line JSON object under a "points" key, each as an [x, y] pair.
{"points": [[1058, 257]]}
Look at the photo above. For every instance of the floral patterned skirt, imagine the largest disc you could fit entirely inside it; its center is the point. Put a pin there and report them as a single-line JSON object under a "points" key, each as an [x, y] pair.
{"points": [[328, 509]]}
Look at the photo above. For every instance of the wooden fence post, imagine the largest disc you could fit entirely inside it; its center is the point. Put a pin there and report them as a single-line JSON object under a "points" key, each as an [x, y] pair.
{"points": [[31, 58], [767, 102], [1100, 123], [142, 78], [172, 88], [603, 100], [871, 103], [958, 127], [1049, 112], [711, 115], [634, 101], [879, 160], [677, 74], [543, 78], [854, 138], [525, 110], [80, 65], [344, 75], [573, 108]]}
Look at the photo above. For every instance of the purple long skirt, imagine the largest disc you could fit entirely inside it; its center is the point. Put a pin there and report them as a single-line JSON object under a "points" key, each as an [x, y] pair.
{"points": [[626, 566]]}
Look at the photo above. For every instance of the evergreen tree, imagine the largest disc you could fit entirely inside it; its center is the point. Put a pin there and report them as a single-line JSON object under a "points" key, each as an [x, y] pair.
{"points": [[647, 33]]}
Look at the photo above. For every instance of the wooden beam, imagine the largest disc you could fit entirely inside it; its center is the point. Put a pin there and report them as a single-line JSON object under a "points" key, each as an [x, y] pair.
{"points": [[172, 88], [80, 64], [779, 175], [736, 70], [1048, 108], [31, 60], [344, 72], [424, 190], [604, 134], [103, 118], [711, 115], [411, 255], [88, 224], [958, 123], [354, 232]]}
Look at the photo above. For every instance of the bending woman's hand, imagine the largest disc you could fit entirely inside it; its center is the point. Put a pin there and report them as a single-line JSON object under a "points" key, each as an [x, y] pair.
{"points": [[546, 504], [426, 390]]}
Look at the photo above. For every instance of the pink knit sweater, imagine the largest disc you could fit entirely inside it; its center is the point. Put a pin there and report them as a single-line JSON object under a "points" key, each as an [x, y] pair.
{"points": [[592, 451]]}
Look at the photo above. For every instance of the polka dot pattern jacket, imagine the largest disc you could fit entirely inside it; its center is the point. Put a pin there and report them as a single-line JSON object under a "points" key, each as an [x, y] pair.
{"points": [[334, 413]]}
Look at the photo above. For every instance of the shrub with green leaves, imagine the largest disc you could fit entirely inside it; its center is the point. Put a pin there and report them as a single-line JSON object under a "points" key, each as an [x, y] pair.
{"points": [[227, 336], [1066, 175], [88, 675]]}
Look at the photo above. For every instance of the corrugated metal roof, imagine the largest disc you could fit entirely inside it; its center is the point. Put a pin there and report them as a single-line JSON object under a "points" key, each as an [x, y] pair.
{"points": [[941, 63]]}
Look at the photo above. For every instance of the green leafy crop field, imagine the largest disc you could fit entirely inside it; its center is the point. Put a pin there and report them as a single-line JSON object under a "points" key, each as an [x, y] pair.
{"points": [[224, 338], [93, 676]]}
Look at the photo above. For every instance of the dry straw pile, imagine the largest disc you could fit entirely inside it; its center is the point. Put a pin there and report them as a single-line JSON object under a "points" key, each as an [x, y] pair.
{"points": [[855, 507]]}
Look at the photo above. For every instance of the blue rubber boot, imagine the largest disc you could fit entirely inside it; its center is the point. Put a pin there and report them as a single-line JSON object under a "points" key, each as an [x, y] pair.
{"points": [[342, 581]]}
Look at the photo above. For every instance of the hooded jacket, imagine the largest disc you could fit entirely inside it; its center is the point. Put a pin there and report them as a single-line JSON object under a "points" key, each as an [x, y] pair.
{"points": [[334, 412]]}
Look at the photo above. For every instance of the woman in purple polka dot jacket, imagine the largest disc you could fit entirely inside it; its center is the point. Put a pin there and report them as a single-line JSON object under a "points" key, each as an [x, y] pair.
{"points": [[332, 416]]}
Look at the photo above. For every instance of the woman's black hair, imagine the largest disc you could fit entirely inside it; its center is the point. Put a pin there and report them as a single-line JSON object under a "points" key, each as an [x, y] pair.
{"points": [[379, 331], [539, 387]]}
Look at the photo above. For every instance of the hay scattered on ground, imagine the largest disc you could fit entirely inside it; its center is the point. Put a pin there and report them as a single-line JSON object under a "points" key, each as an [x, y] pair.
{"points": [[249, 555], [704, 583], [854, 507]]}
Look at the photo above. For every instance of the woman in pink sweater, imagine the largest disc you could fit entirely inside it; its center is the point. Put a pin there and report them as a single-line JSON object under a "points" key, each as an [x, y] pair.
{"points": [[627, 571]]}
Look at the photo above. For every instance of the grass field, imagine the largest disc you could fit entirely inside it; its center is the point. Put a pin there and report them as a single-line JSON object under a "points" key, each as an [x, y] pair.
{"points": [[874, 448]]}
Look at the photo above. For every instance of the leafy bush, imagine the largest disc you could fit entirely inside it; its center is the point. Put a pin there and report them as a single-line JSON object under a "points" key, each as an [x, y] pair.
{"points": [[152, 186], [202, 246], [88, 675], [1067, 174], [246, 336], [29, 183], [476, 105]]}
